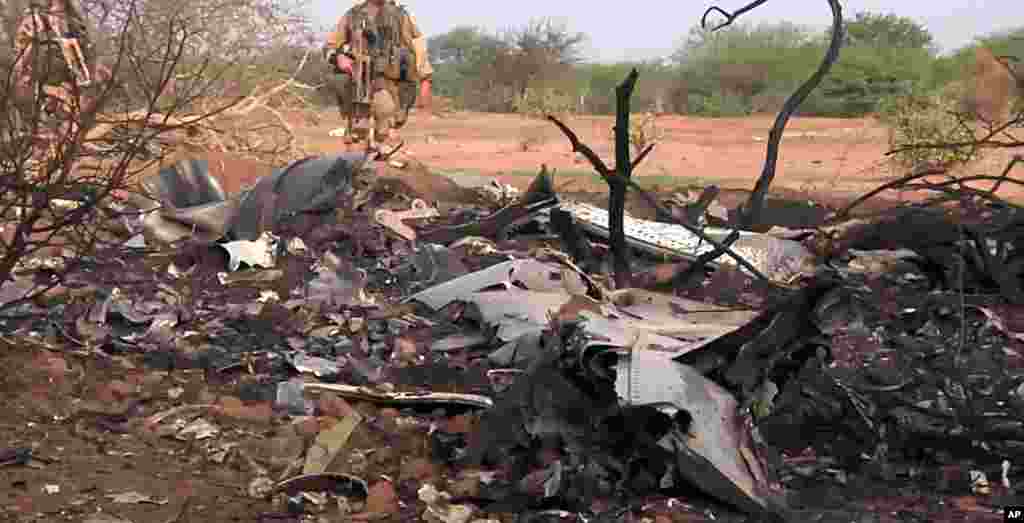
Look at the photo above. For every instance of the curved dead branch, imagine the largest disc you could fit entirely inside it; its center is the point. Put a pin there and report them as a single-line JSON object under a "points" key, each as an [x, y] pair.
{"points": [[729, 17], [755, 204]]}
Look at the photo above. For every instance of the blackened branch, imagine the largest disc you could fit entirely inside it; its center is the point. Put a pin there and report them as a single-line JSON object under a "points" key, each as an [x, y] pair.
{"points": [[640, 157], [755, 205], [582, 148], [729, 17]]}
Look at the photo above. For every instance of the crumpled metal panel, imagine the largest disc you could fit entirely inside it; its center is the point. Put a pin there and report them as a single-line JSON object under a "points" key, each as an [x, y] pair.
{"points": [[678, 317], [517, 312], [206, 223], [192, 204], [535, 275], [304, 185], [721, 461], [185, 184]]}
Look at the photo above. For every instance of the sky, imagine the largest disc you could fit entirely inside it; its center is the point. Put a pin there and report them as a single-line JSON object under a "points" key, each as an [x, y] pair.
{"points": [[655, 27]]}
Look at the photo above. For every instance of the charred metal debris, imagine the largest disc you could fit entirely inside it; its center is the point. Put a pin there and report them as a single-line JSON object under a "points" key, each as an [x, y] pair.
{"points": [[324, 283]]}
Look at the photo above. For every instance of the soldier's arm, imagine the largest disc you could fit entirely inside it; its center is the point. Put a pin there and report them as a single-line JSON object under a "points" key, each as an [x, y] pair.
{"points": [[417, 41]]}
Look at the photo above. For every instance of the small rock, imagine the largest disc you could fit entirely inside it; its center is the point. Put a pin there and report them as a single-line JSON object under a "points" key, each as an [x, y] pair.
{"points": [[419, 469], [468, 486], [152, 380], [449, 514], [277, 452], [382, 498], [205, 397], [104, 518], [332, 405], [53, 365], [114, 391], [308, 428], [405, 350], [383, 456], [387, 420], [229, 403], [57, 293], [462, 424], [233, 408], [391, 413]]}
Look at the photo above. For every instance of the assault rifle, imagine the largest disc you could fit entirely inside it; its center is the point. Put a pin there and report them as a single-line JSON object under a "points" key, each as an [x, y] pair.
{"points": [[364, 73]]}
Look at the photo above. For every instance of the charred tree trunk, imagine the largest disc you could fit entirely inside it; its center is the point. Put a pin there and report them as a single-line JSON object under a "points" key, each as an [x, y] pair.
{"points": [[618, 183]]}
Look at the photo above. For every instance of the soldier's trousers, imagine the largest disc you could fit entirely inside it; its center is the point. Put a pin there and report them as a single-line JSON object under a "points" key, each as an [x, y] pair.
{"points": [[389, 103]]}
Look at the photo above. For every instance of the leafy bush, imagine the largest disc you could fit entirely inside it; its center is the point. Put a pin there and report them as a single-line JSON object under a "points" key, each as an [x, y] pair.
{"points": [[918, 119], [541, 101], [643, 131], [724, 105]]}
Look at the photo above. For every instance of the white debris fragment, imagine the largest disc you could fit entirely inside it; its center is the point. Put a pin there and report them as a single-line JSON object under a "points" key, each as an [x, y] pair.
{"points": [[980, 484], [173, 271], [258, 253], [267, 296], [133, 498], [296, 246], [199, 429]]}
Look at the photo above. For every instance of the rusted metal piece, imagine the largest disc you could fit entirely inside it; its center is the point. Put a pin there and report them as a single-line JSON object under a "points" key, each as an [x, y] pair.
{"points": [[393, 220]]}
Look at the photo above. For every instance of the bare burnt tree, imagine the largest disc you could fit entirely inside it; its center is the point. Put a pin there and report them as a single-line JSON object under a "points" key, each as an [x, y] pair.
{"points": [[619, 178], [162, 72]]}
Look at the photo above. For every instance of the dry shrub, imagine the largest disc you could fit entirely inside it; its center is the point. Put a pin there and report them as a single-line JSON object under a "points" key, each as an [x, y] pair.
{"points": [[921, 119], [538, 102], [953, 125], [178, 76], [643, 131]]}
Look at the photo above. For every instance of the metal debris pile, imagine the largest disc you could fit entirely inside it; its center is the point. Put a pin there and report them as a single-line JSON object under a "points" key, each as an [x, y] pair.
{"points": [[318, 290]]}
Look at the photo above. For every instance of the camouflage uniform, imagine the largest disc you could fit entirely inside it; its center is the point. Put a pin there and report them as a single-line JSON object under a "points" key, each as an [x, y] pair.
{"points": [[400, 58], [40, 60]]}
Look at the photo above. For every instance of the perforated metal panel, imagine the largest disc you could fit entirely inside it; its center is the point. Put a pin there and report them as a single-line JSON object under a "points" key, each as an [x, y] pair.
{"points": [[776, 258], [671, 237]]}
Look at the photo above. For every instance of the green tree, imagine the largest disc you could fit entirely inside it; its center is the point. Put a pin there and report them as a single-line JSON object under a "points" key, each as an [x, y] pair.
{"points": [[884, 55], [725, 72], [887, 31], [498, 72], [463, 46], [459, 56]]}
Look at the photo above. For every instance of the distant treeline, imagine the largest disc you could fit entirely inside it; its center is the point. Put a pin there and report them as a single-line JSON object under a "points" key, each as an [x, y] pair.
{"points": [[736, 71]]}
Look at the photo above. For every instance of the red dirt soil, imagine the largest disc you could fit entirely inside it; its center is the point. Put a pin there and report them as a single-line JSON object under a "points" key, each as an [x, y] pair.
{"points": [[824, 159]]}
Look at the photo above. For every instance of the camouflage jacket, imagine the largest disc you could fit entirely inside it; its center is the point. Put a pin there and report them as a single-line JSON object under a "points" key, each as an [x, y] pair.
{"points": [[387, 36]]}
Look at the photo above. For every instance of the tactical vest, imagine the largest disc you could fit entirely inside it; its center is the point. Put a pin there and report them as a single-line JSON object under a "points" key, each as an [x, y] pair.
{"points": [[380, 38]]}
